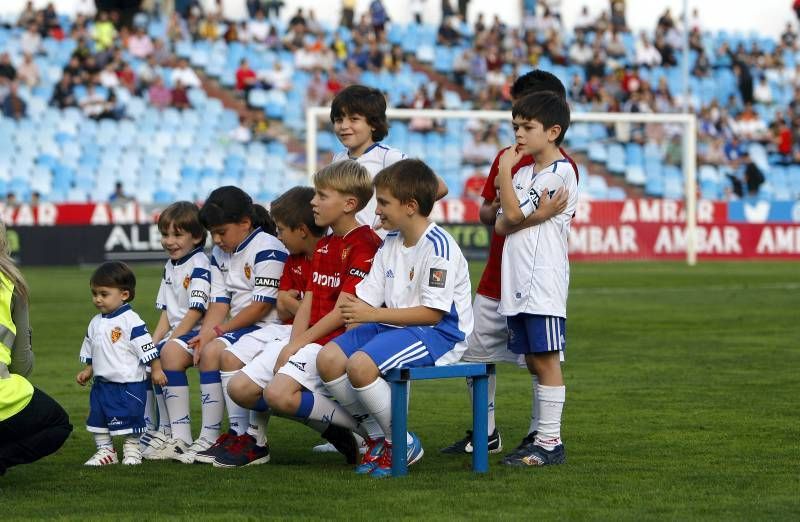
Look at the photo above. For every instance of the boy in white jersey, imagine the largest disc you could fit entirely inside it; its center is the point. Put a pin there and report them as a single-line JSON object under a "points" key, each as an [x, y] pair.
{"points": [[116, 351], [246, 265], [183, 300], [535, 265], [358, 114], [412, 309]]}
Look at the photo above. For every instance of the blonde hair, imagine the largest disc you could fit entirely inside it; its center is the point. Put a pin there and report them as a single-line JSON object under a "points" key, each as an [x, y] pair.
{"points": [[7, 266], [346, 177]]}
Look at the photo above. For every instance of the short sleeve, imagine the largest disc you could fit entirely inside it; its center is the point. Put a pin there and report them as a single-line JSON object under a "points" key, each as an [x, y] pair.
{"points": [[199, 289], [161, 298], [359, 264], [86, 347], [143, 343], [219, 293], [392, 157], [268, 268], [549, 181], [439, 279], [371, 288]]}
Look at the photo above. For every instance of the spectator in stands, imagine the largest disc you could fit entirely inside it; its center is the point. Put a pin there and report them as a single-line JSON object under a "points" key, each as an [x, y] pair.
{"points": [[580, 53], [279, 77], [646, 54], [618, 22], [348, 13], [8, 73], [119, 196], [789, 36], [27, 16], [665, 50], [744, 81], [245, 77], [159, 94], [584, 21], [108, 76], [258, 28], [140, 45], [473, 185], [63, 93], [93, 103], [416, 8], [749, 126], [752, 175], [261, 129], [104, 32], [762, 92], [185, 75], [273, 9], [31, 40], [180, 96], [447, 35], [161, 54], [379, 17], [13, 106], [28, 72], [241, 133], [298, 18], [146, 74]]}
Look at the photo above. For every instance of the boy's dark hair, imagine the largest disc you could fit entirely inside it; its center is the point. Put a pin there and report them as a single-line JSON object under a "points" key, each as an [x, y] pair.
{"points": [[410, 179], [185, 216], [548, 108], [293, 209], [115, 274], [231, 204], [535, 81], [346, 177], [366, 101]]}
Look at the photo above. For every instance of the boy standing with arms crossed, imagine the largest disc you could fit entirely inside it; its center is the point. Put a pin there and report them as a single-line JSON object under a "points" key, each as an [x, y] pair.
{"points": [[535, 265]]}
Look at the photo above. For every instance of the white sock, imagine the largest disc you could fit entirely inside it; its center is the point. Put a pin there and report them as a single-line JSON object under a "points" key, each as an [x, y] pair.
{"points": [[212, 405], [551, 404], [534, 406], [346, 396], [103, 440], [491, 396], [163, 416], [258, 426], [377, 400], [149, 418], [238, 416], [176, 402]]}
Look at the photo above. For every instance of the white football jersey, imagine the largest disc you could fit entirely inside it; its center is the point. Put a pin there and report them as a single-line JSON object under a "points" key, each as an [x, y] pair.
{"points": [[375, 159], [185, 284], [251, 273], [432, 273], [118, 346], [535, 268]]}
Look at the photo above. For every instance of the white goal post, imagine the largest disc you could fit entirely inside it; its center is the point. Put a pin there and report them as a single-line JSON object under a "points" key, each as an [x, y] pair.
{"points": [[689, 122]]}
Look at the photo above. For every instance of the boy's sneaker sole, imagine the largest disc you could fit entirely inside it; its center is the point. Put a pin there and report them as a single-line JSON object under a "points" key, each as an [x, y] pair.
{"points": [[464, 446], [534, 456]]}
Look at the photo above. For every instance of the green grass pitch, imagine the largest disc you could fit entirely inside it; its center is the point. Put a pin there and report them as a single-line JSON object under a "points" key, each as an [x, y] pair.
{"points": [[682, 403]]}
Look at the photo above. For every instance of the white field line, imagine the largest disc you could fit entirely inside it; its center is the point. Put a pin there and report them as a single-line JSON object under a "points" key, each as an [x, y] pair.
{"points": [[678, 289]]}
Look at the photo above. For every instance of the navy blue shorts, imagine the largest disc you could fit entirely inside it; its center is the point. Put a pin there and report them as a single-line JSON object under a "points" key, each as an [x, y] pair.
{"points": [[391, 347], [117, 408], [536, 333]]}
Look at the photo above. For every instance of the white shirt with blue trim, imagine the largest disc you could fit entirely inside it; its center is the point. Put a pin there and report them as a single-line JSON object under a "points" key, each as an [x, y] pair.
{"points": [[250, 273], [185, 285], [535, 271], [376, 158], [432, 273], [118, 346]]}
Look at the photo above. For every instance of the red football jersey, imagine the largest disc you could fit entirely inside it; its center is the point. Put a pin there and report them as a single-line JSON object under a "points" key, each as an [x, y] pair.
{"points": [[295, 275], [338, 265], [489, 285]]}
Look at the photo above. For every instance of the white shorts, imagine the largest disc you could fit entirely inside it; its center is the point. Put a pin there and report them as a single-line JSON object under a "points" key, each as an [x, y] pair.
{"points": [[259, 370], [488, 342], [249, 346], [302, 367]]}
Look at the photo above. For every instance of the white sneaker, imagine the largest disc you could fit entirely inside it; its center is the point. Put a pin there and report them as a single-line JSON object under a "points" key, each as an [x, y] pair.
{"points": [[170, 449], [131, 454], [151, 442], [104, 456], [328, 447], [187, 455]]}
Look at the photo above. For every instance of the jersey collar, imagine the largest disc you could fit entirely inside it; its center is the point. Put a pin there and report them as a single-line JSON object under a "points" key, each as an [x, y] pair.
{"points": [[247, 240], [119, 311], [185, 258], [377, 143]]}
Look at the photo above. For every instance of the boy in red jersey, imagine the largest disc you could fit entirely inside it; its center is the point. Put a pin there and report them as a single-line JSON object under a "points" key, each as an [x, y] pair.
{"points": [[489, 339]]}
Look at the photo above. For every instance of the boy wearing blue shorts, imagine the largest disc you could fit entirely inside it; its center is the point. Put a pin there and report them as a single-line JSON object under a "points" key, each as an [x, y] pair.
{"points": [[535, 263], [412, 309]]}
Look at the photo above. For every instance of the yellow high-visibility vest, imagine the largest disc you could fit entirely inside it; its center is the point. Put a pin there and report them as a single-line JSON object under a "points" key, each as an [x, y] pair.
{"points": [[15, 391]]}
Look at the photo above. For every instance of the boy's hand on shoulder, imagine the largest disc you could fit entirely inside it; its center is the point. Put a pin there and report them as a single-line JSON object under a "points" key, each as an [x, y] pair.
{"points": [[84, 376], [510, 157], [355, 310], [550, 206]]}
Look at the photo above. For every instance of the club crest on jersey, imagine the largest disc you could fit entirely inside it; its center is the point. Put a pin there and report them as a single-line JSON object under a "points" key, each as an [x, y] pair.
{"points": [[437, 278], [247, 270], [186, 281], [411, 274], [345, 252], [116, 334]]}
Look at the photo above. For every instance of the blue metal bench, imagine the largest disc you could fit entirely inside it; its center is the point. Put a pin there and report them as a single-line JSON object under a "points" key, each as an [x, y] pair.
{"points": [[398, 379]]}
